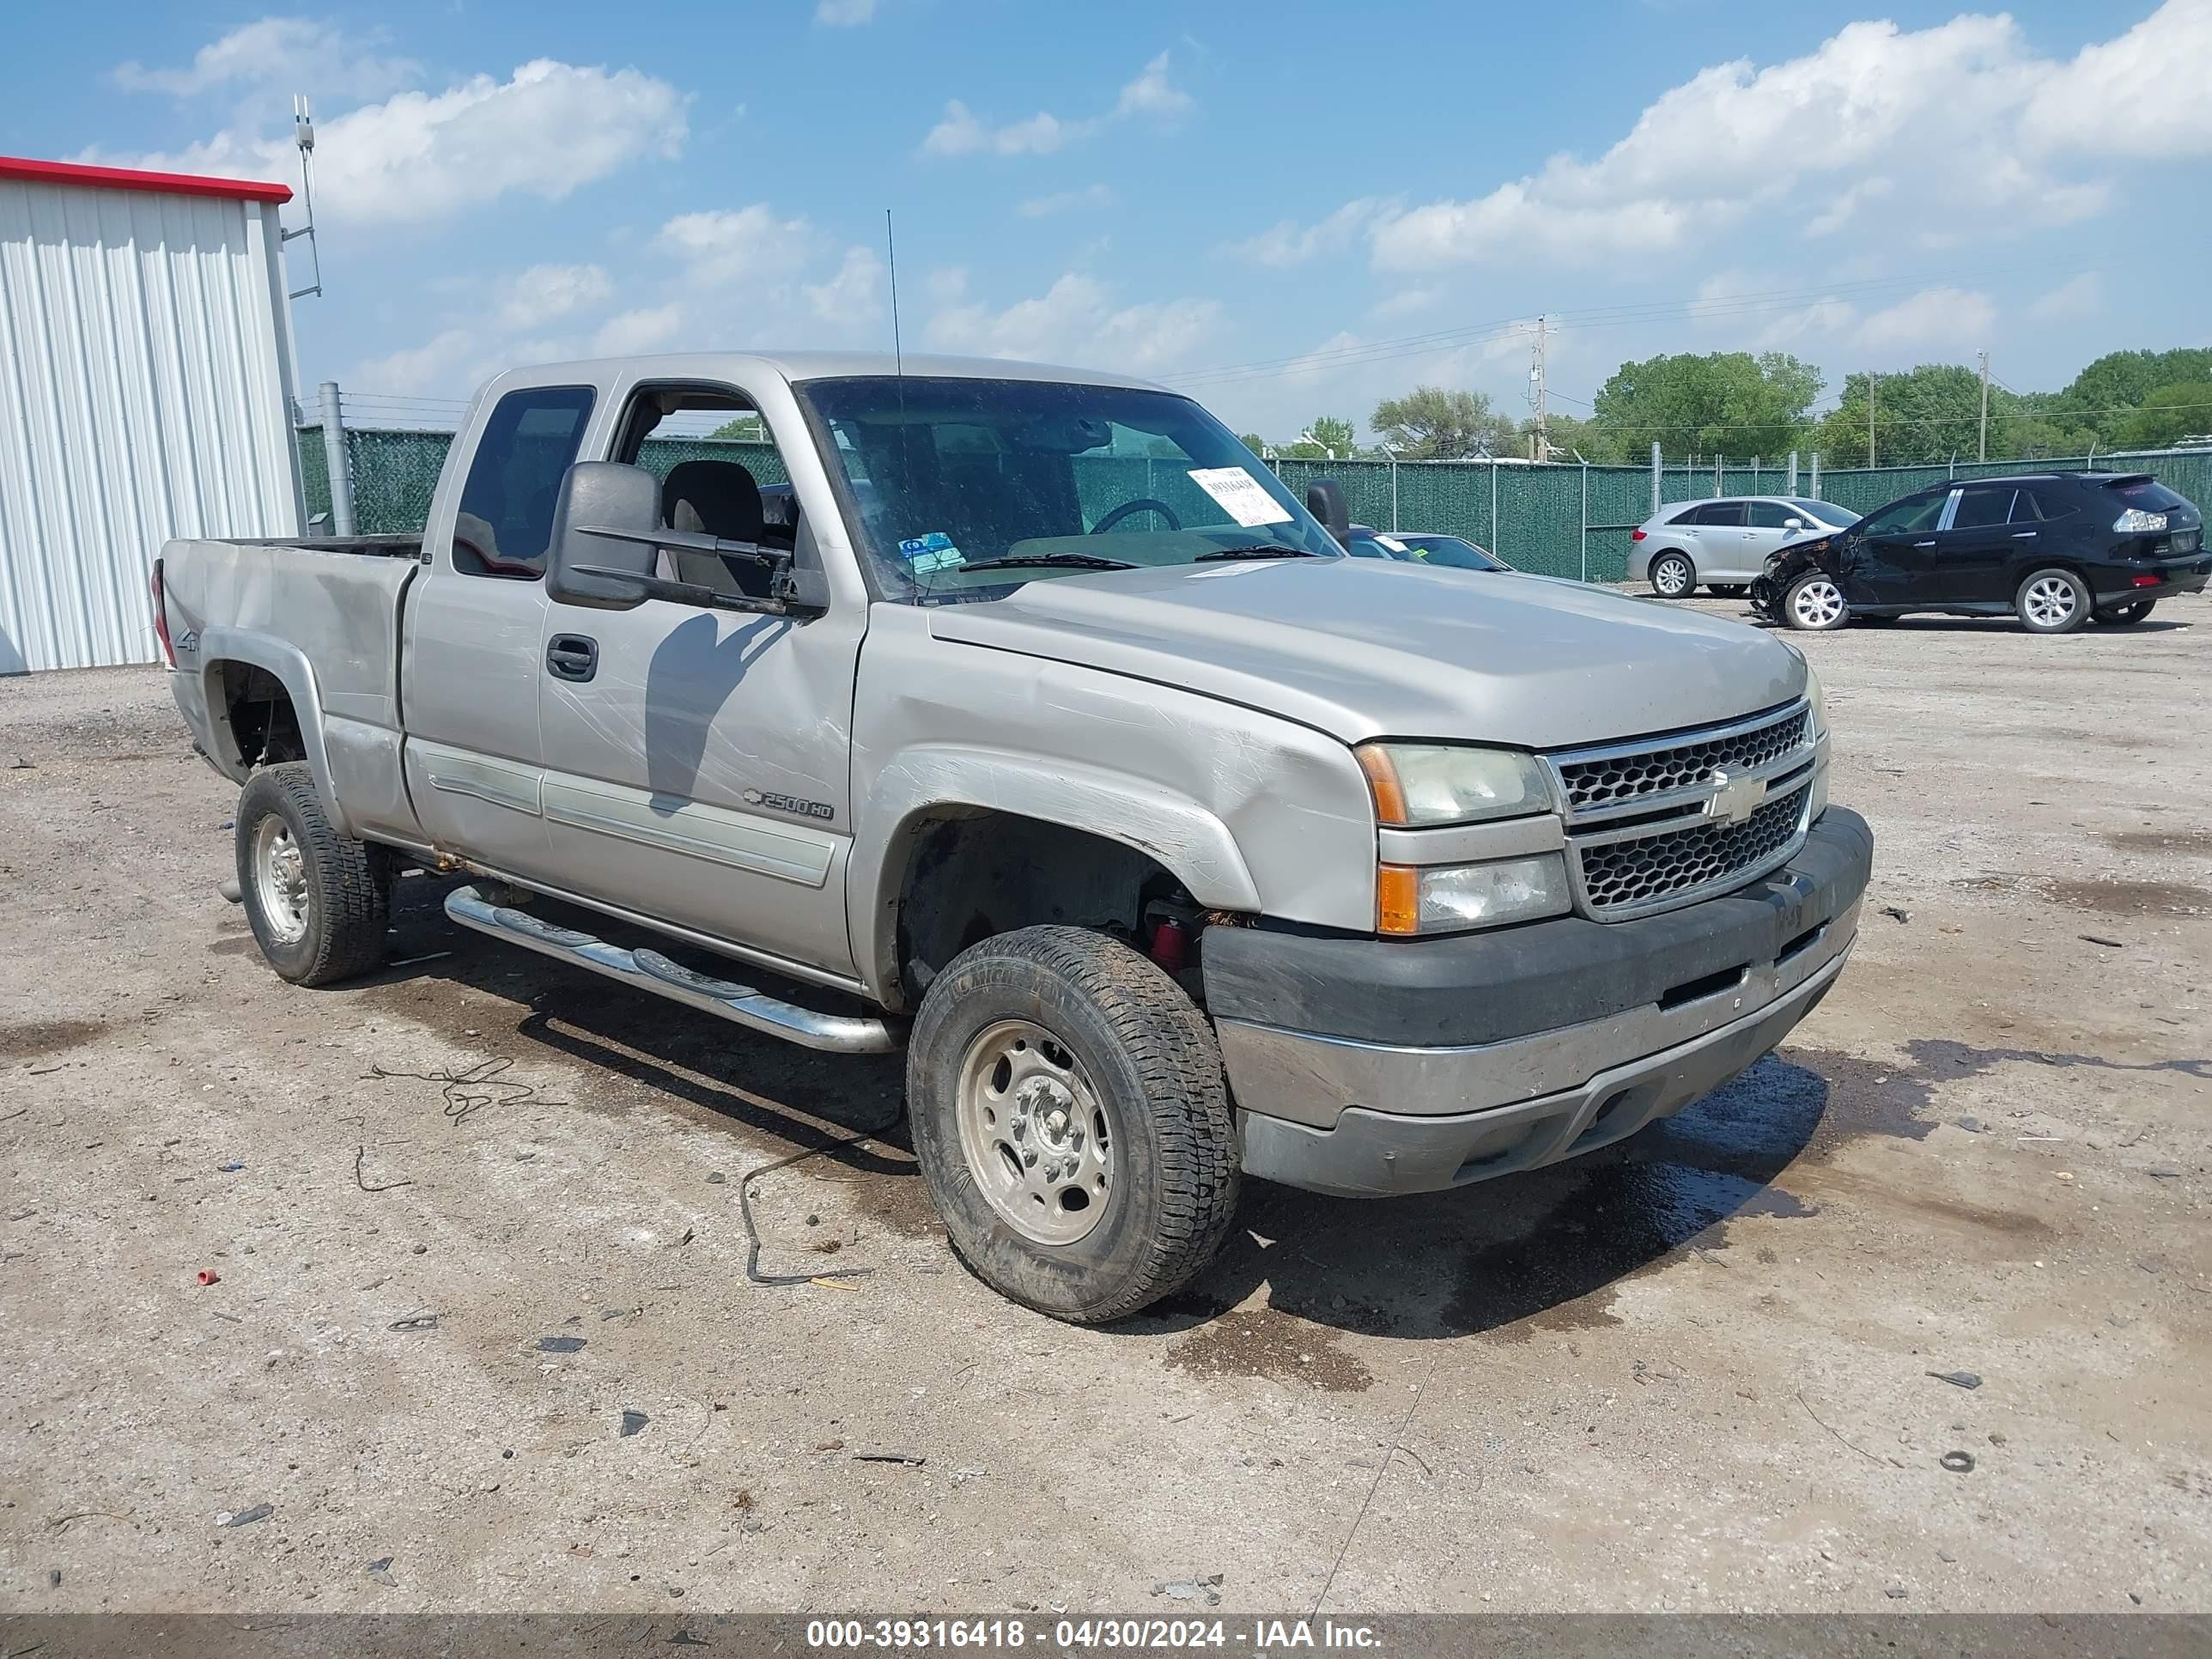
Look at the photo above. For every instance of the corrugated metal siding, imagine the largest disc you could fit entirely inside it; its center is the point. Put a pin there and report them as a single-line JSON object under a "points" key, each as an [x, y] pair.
{"points": [[145, 380]]}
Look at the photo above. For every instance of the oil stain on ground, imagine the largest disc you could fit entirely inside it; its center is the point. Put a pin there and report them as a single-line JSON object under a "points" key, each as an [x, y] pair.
{"points": [[1265, 1342], [2131, 898], [2195, 842], [35, 1039]]}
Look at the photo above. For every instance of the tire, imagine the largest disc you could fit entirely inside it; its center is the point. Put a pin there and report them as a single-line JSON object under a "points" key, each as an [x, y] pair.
{"points": [[2052, 601], [316, 900], [1672, 576], [1048, 1022], [1814, 604], [2123, 616]]}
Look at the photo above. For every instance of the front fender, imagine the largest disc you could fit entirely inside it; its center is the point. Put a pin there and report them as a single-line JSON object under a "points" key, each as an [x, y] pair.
{"points": [[289, 666]]}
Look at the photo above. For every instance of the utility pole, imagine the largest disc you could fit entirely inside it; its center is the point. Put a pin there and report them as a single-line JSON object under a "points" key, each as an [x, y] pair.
{"points": [[1982, 446], [1536, 376], [1870, 379]]}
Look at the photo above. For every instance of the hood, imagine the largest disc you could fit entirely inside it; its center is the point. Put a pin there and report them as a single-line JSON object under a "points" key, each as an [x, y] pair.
{"points": [[1363, 648]]}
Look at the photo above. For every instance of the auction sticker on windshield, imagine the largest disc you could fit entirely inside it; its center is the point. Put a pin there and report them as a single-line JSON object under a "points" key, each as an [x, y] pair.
{"points": [[934, 552], [1240, 494]]}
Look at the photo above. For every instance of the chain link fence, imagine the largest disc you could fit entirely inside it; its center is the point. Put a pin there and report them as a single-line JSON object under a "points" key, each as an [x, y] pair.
{"points": [[1553, 521]]}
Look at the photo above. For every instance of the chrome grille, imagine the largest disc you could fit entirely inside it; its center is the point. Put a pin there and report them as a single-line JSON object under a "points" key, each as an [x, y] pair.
{"points": [[1630, 875], [1630, 774], [1666, 821]]}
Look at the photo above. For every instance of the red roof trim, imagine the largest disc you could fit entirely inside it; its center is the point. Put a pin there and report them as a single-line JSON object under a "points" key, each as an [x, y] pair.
{"points": [[159, 183]]}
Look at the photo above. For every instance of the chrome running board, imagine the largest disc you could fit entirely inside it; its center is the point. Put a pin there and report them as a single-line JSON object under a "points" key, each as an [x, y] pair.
{"points": [[649, 970]]}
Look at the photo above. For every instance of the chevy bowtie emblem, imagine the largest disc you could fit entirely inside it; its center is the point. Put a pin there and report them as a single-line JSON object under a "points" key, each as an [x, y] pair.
{"points": [[1734, 799]]}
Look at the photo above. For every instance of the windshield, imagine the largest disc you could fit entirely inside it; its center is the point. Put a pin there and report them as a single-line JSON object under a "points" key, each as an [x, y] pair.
{"points": [[1422, 547], [943, 475], [1828, 511]]}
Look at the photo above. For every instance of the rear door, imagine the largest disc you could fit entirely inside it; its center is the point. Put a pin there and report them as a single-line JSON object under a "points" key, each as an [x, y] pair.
{"points": [[698, 761], [1974, 549], [474, 625]]}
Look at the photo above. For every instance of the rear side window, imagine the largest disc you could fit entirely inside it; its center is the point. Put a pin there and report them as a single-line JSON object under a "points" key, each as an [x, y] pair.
{"points": [[2028, 508], [506, 520], [1713, 513], [1980, 508]]}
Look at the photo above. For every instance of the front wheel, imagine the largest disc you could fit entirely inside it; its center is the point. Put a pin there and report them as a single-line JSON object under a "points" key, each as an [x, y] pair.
{"points": [[2123, 616], [2052, 602], [1815, 605], [1072, 1123], [1672, 576]]}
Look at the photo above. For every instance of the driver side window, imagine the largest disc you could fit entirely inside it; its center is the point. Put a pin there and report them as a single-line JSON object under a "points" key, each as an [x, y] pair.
{"points": [[1908, 517]]}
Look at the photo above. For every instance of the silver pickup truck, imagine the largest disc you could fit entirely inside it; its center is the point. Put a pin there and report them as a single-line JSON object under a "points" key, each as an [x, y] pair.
{"points": [[1032, 720]]}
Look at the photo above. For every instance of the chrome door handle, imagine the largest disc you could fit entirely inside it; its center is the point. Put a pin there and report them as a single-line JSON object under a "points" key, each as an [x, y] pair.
{"points": [[1923, 543], [2022, 535]]}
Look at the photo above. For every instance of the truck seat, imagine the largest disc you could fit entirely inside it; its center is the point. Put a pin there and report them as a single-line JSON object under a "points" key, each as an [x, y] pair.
{"points": [[720, 498]]}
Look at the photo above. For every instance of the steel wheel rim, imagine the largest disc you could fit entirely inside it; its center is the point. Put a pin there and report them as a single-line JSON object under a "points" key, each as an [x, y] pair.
{"points": [[1671, 578], [280, 879], [1817, 604], [2050, 601], [1041, 1145]]}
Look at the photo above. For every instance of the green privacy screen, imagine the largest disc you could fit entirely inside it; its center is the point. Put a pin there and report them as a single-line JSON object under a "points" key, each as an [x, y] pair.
{"points": [[1556, 520]]}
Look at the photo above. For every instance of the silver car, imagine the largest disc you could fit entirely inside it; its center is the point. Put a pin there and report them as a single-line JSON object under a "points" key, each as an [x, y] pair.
{"points": [[1721, 544]]}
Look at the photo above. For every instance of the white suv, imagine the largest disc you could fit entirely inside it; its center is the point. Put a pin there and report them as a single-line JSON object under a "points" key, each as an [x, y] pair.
{"points": [[1722, 544]]}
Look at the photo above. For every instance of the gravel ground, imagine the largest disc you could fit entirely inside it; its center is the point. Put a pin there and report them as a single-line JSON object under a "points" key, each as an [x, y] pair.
{"points": [[490, 1345]]}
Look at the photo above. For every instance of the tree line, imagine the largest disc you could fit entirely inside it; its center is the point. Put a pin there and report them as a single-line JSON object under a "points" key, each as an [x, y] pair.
{"points": [[1741, 404]]}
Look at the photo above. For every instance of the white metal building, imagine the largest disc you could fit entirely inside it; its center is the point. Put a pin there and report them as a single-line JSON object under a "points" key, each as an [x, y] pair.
{"points": [[146, 383]]}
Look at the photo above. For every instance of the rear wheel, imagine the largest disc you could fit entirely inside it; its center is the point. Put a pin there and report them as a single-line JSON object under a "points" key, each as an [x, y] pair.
{"points": [[1815, 605], [2123, 616], [1072, 1122], [2052, 602], [1672, 576], [315, 899]]}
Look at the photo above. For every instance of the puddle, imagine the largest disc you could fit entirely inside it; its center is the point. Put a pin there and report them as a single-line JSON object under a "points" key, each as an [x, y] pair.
{"points": [[37, 1038]]}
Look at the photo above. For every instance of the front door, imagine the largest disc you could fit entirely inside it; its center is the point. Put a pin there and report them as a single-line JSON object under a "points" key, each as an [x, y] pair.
{"points": [[475, 625], [697, 761], [1892, 559]]}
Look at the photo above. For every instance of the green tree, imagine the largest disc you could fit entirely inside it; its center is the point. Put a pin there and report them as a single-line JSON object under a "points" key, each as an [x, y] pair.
{"points": [[1934, 414], [2168, 415], [1729, 403], [2105, 395], [1330, 432], [1438, 423], [745, 428], [1253, 441]]}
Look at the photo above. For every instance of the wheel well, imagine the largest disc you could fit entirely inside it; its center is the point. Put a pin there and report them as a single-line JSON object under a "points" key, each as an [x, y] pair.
{"points": [[971, 872], [264, 728]]}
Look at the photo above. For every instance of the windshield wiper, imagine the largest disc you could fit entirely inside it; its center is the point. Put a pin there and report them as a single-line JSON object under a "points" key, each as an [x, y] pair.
{"points": [[1262, 551], [1023, 560]]}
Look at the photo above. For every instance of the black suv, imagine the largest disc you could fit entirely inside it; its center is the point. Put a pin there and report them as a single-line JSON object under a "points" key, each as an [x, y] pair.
{"points": [[2056, 548]]}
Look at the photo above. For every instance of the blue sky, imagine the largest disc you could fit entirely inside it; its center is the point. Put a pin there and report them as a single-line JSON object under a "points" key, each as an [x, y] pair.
{"points": [[1291, 210]]}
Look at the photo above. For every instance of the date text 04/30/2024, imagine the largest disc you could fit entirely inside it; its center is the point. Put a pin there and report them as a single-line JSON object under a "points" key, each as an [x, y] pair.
{"points": [[1104, 1633]]}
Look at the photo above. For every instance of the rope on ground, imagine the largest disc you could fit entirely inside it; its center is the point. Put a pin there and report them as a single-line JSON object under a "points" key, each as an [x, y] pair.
{"points": [[752, 1231]]}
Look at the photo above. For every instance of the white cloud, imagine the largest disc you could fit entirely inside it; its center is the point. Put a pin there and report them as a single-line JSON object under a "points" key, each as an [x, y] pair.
{"points": [[945, 284], [1075, 320], [1288, 243], [963, 132], [1823, 318], [285, 52], [542, 293], [1959, 129], [2081, 296], [748, 243], [844, 13], [850, 298], [1954, 318], [548, 130], [631, 332], [1063, 201], [1151, 94], [435, 366], [1405, 303]]}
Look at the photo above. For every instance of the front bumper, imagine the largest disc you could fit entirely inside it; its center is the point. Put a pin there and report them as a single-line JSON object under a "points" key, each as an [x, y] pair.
{"points": [[1369, 1066]]}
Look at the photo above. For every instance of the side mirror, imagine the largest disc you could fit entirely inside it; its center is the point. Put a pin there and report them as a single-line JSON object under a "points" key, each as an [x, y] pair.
{"points": [[1793, 524], [604, 495], [1325, 500]]}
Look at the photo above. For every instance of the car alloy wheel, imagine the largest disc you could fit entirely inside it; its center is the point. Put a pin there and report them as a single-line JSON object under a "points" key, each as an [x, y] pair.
{"points": [[1816, 603], [2051, 601], [1670, 577]]}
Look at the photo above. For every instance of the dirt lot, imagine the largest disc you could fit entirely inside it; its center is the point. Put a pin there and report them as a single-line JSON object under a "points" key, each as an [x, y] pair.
{"points": [[1693, 1374]]}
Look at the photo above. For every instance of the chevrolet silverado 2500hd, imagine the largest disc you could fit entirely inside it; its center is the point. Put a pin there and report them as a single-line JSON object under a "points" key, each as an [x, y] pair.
{"points": [[1030, 710]]}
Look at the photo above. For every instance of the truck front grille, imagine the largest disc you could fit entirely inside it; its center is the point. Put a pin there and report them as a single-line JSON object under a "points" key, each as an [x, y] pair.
{"points": [[1665, 822]]}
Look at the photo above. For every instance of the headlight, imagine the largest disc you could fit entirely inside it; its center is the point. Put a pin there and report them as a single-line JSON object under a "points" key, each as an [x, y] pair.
{"points": [[2136, 522], [1418, 784], [1448, 898], [1818, 699]]}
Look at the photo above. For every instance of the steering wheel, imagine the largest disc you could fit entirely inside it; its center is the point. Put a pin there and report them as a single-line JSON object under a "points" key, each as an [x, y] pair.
{"points": [[1142, 504]]}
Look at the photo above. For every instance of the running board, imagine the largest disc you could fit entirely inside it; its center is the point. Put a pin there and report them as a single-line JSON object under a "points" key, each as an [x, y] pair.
{"points": [[649, 970]]}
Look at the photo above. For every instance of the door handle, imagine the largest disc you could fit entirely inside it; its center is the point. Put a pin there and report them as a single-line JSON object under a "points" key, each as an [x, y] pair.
{"points": [[1923, 543], [572, 656], [2023, 535]]}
